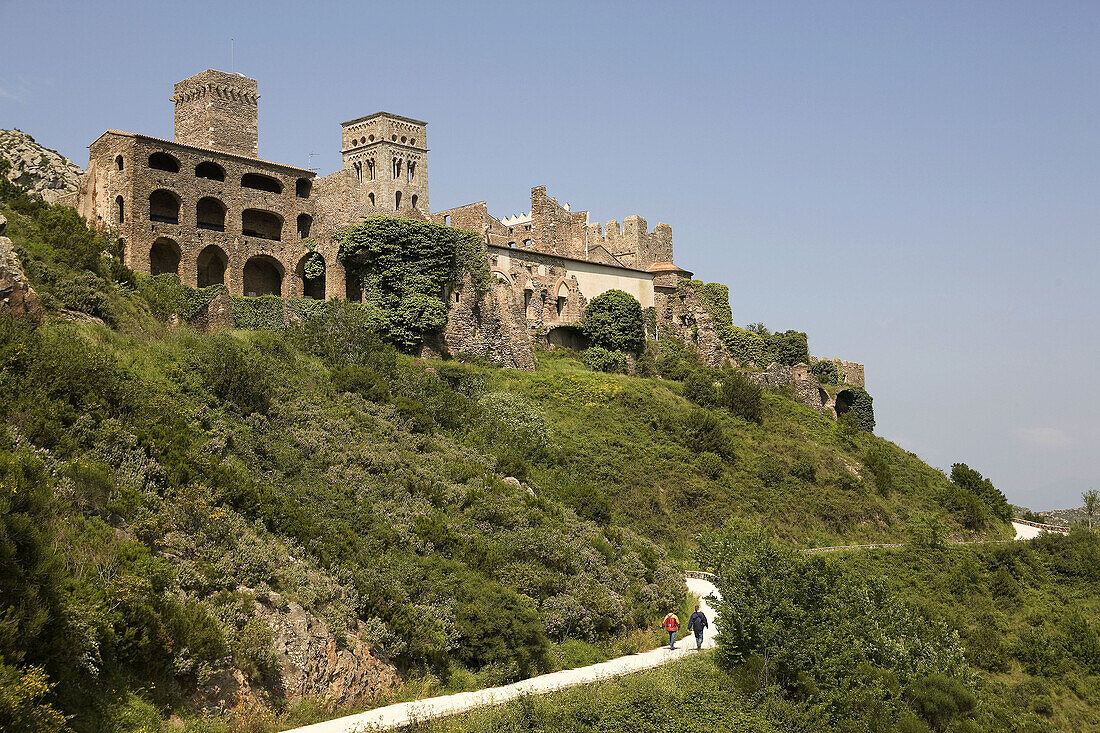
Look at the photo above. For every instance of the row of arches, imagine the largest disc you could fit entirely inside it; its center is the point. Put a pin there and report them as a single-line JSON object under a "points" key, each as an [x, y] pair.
{"points": [[210, 170], [261, 275], [210, 214], [531, 307]]}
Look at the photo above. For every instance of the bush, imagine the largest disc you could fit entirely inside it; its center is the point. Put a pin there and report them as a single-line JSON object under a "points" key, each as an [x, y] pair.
{"points": [[701, 387], [741, 396], [415, 413], [24, 706], [167, 296], [236, 373], [600, 359], [877, 463], [862, 406], [676, 361], [709, 464], [974, 483], [704, 433], [362, 381], [804, 470], [939, 699], [826, 371], [614, 321]]}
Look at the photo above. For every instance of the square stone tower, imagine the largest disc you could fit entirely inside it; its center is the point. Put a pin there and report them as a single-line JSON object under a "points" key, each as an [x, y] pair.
{"points": [[219, 110], [388, 156]]}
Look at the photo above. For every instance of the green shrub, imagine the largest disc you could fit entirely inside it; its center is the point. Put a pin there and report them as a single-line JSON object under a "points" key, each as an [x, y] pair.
{"points": [[600, 359], [715, 298], [264, 312], [24, 700], [704, 433], [253, 649], [804, 470], [877, 463], [86, 293], [236, 373], [167, 296], [676, 361], [740, 395], [975, 484], [415, 414], [709, 464], [862, 406], [745, 347], [826, 371], [613, 320], [362, 381], [701, 387], [940, 699]]}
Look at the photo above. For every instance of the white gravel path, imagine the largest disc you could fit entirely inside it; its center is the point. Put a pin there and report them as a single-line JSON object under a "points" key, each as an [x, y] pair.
{"points": [[401, 714]]}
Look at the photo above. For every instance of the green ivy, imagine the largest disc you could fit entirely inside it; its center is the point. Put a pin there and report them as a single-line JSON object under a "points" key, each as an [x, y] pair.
{"points": [[863, 408], [716, 301], [314, 267], [403, 267], [168, 296], [265, 311]]}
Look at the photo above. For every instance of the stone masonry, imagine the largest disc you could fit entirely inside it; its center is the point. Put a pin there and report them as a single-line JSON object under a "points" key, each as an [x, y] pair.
{"points": [[206, 207]]}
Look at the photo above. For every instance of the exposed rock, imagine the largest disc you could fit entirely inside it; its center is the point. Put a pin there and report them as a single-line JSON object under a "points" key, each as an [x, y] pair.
{"points": [[39, 170], [312, 664], [16, 294], [217, 315]]}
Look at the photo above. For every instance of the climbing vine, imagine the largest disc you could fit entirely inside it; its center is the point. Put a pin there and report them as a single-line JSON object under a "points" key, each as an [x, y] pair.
{"points": [[314, 267], [403, 267]]}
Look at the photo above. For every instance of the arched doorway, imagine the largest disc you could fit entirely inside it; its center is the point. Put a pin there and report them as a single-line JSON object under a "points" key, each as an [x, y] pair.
{"points": [[844, 400], [311, 273], [164, 256], [212, 264], [567, 337], [263, 275]]}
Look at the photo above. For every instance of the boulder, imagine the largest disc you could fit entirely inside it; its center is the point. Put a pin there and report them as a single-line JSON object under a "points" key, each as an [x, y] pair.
{"points": [[16, 295]]}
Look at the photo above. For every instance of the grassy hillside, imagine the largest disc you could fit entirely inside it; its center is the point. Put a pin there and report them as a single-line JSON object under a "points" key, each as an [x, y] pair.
{"points": [[160, 486]]}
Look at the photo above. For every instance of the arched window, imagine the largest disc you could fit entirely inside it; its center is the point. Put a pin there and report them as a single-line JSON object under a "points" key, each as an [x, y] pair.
{"points": [[164, 256], [305, 223], [397, 200], [311, 272], [563, 296], [414, 198], [164, 206], [358, 167], [511, 245], [446, 220], [411, 168], [370, 168], [261, 183], [262, 224], [396, 169], [302, 188], [164, 162], [263, 275], [210, 214], [119, 162], [121, 209], [212, 264], [527, 243], [208, 169], [370, 197]]}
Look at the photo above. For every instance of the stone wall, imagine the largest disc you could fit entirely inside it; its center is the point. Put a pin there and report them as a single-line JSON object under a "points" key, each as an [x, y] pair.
{"points": [[492, 326], [16, 295], [850, 372], [218, 110], [387, 155], [681, 314]]}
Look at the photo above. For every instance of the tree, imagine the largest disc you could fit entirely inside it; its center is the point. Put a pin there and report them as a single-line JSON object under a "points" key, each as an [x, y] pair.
{"points": [[614, 320], [967, 479], [1090, 498]]}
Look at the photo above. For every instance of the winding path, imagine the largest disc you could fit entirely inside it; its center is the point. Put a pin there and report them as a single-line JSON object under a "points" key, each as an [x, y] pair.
{"points": [[402, 714]]}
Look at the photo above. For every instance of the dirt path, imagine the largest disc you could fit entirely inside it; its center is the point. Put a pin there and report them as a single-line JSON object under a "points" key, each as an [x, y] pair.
{"points": [[401, 714]]}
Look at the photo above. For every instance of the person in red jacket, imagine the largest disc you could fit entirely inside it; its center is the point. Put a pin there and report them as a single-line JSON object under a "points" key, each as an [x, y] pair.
{"points": [[671, 624]]}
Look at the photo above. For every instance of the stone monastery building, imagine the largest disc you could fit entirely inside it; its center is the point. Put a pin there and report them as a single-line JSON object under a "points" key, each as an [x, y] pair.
{"points": [[205, 206]]}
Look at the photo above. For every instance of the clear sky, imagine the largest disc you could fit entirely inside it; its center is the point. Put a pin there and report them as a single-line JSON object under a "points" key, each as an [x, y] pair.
{"points": [[913, 184]]}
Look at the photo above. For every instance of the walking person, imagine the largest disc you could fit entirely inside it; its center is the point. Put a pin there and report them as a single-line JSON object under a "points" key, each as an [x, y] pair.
{"points": [[697, 623], [671, 624]]}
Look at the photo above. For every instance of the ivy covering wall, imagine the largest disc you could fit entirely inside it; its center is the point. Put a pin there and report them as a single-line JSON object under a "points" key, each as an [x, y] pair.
{"points": [[404, 267]]}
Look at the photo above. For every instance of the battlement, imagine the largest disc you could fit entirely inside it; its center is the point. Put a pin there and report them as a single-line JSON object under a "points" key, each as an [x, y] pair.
{"points": [[218, 110]]}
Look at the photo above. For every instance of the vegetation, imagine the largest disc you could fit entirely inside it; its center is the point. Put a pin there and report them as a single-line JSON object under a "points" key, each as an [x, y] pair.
{"points": [[613, 320], [403, 266]]}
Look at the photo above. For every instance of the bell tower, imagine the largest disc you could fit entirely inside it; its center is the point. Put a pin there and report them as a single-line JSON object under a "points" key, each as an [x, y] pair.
{"points": [[387, 156]]}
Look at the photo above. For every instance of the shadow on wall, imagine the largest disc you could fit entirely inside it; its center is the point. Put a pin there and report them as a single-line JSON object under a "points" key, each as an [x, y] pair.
{"points": [[567, 337]]}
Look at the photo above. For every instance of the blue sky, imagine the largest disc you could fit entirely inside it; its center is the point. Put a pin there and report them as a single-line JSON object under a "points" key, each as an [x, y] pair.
{"points": [[913, 184]]}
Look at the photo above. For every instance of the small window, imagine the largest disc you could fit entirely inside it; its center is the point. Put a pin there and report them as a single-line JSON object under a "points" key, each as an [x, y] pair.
{"points": [[164, 162], [370, 168], [370, 197], [209, 170], [121, 209], [358, 167], [511, 245], [414, 197], [412, 141], [302, 188], [305, 223], [371, 138], [446, 220], [397, 200], [119, 162], [403, 138], [411, 168], [527, 243], [261, 183]]}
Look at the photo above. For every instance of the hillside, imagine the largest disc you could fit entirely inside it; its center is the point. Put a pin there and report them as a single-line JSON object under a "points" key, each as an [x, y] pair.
{"points": [[242, 523]]}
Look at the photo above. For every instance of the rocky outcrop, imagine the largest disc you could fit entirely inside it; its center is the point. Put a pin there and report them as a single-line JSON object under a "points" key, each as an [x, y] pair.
{"points": [[310, 663], [39, 170], [16, 295]]}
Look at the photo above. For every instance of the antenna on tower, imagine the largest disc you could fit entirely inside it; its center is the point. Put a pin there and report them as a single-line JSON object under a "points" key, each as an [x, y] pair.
{"points": [[309, 163], [232, 68]]}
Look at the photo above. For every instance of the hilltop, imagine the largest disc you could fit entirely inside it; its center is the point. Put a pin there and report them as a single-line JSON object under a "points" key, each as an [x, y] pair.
{"points": [[297, 516]]}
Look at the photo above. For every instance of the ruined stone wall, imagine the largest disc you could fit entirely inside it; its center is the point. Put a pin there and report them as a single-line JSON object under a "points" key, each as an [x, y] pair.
{"points": [[681, 314], [850, 372], [492, 325], [218, 110]]}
